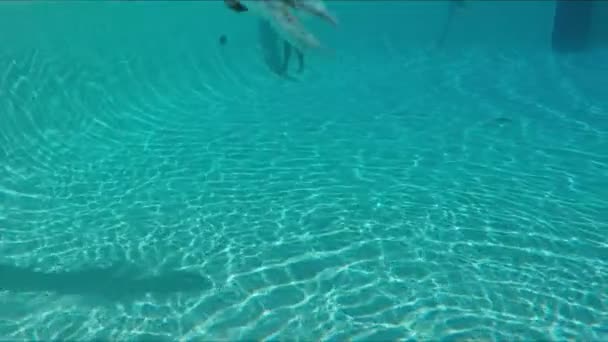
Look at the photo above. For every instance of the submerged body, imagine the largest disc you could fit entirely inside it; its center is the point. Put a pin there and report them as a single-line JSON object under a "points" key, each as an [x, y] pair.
{"points": [[278, 19], [453, 6], [276, 51], [287, 25], [317, 8], [281, 14]]}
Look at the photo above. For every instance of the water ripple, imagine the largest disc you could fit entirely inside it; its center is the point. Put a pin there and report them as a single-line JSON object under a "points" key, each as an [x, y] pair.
{"points": [[453, 205]]}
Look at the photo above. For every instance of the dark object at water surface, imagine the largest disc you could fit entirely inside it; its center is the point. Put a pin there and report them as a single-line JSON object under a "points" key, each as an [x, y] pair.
{"points": [[223, 40], [236, 6], [501, 121], [572, 25]]}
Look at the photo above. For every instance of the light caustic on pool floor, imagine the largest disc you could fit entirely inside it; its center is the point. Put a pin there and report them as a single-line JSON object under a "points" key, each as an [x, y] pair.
{"points": [[148, 205]]}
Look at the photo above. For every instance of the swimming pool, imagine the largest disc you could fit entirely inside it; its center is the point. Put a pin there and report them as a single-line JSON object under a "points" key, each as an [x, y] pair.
{"points": [[156, 185]]}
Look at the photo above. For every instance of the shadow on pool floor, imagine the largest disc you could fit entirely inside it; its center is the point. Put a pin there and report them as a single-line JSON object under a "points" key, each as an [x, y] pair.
{"points": [[118, 282]]}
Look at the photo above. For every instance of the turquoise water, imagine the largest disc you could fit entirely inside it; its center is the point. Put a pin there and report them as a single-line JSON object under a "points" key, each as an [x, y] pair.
{"points": [[157, 186]]}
